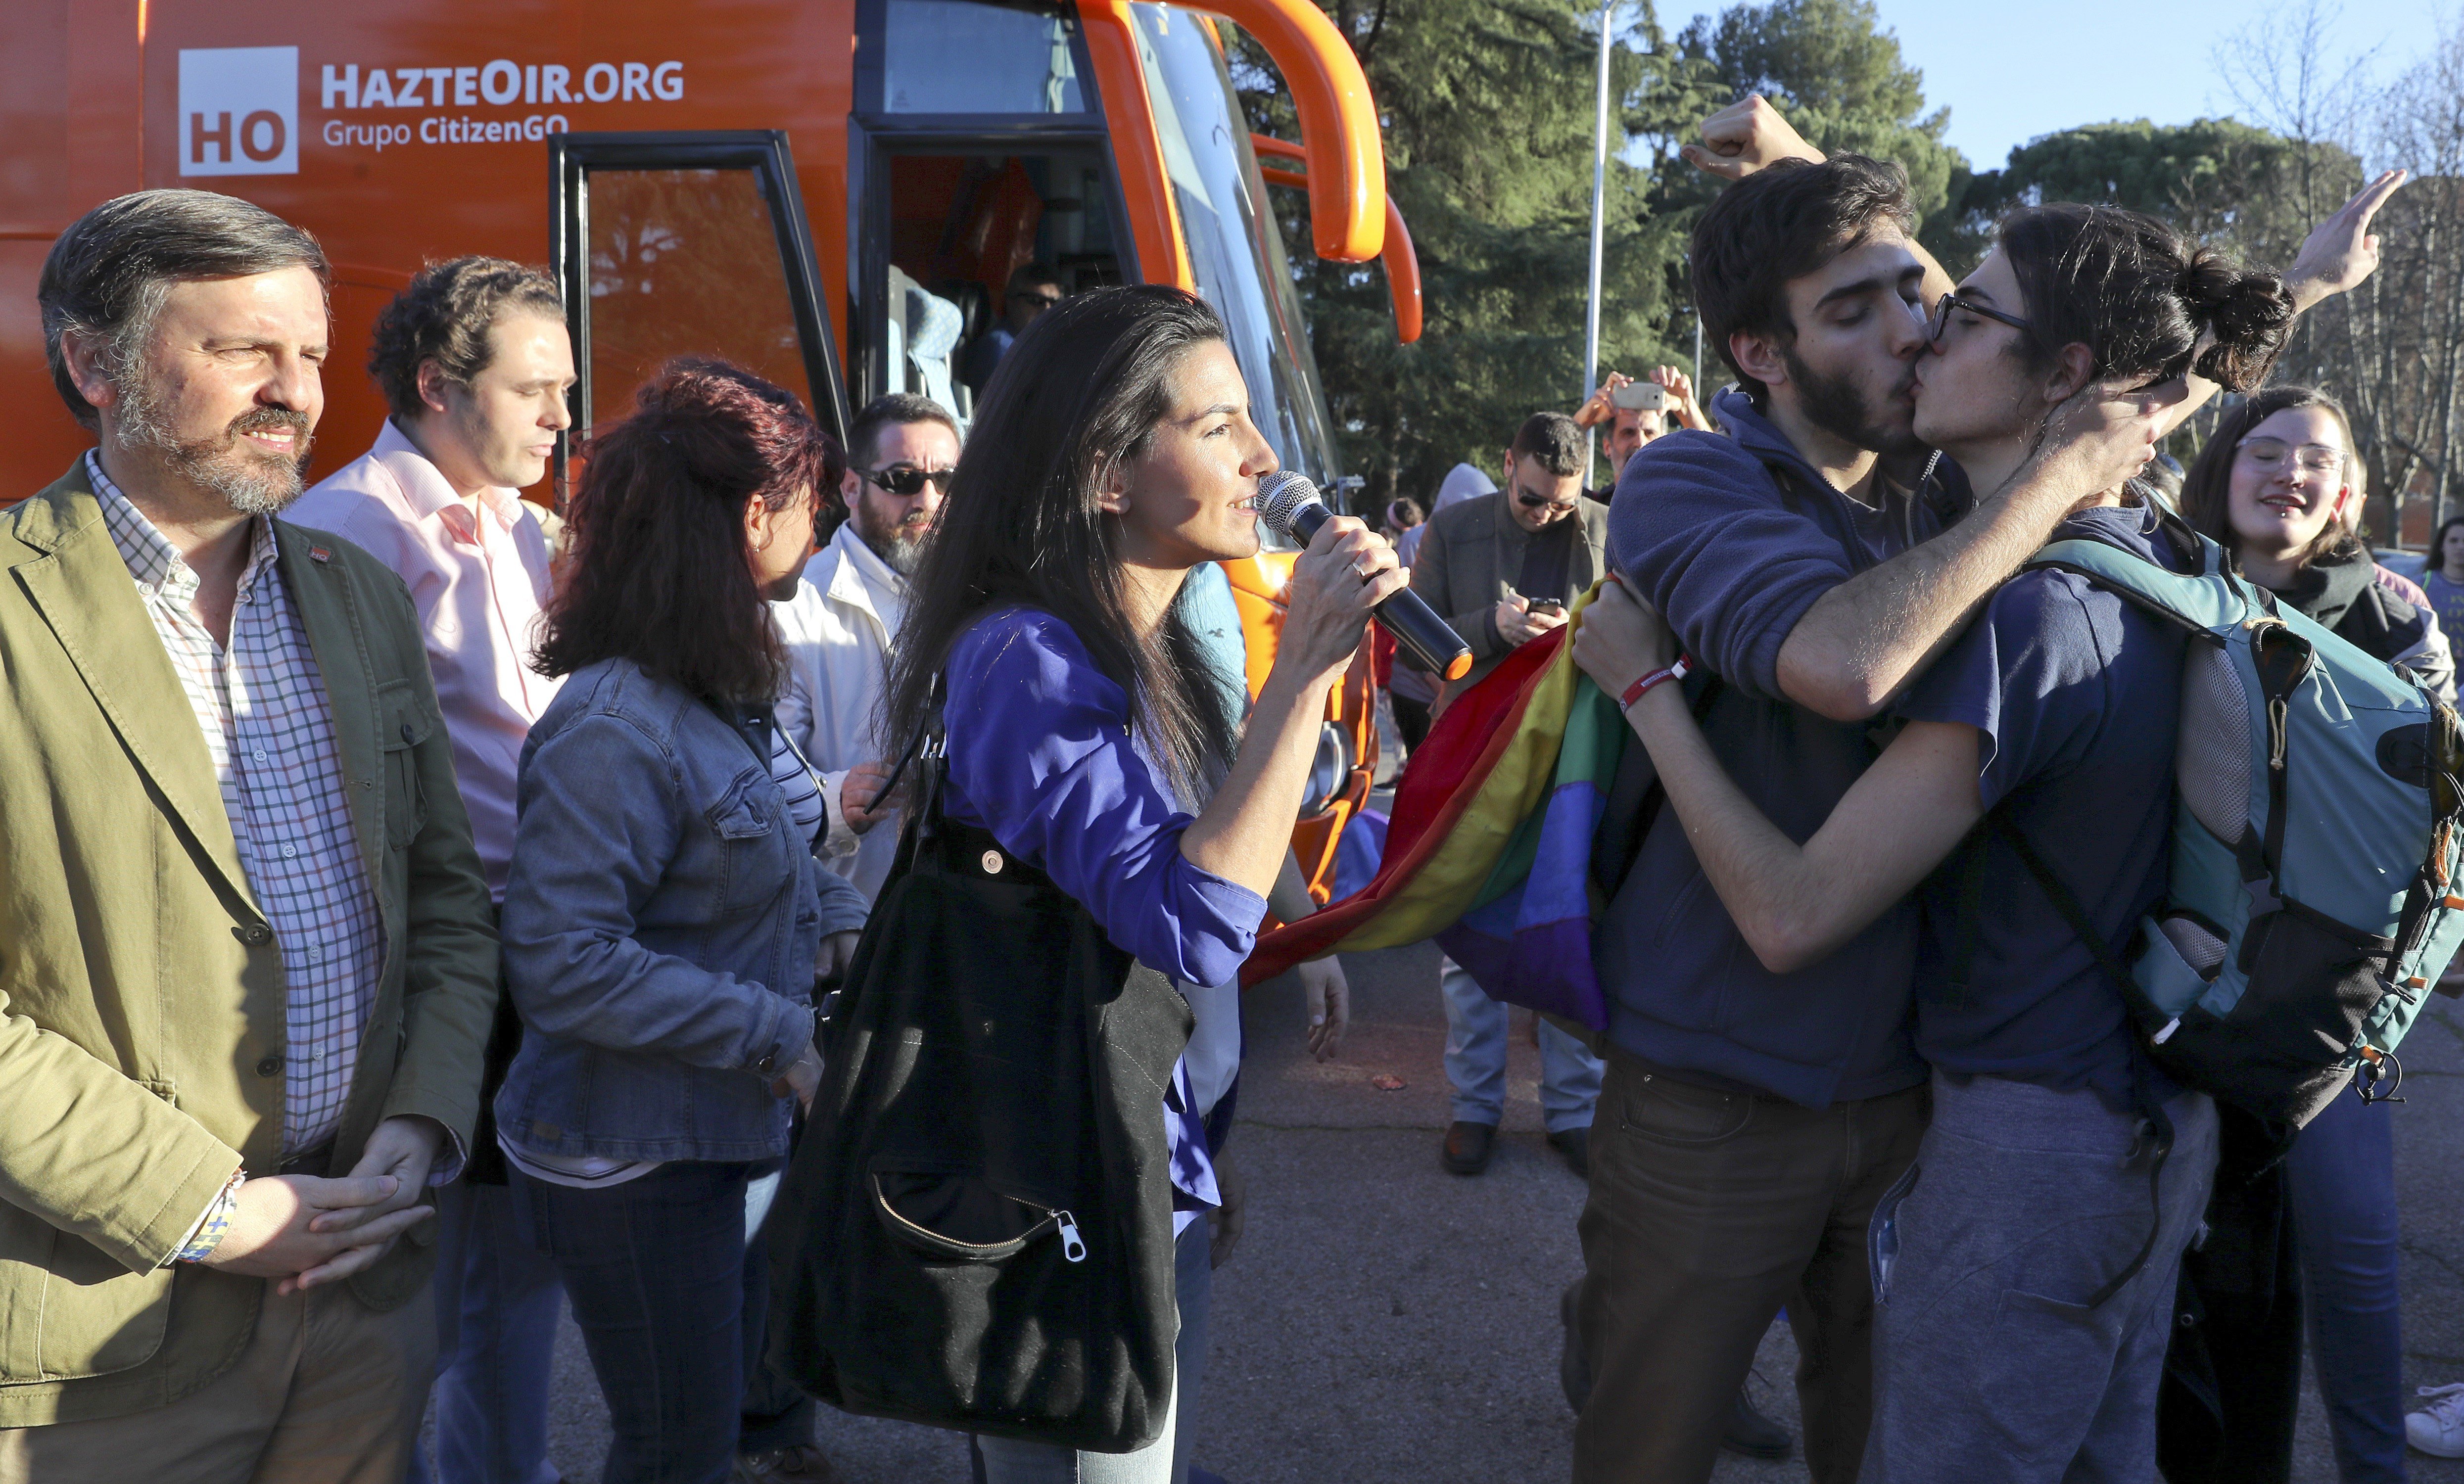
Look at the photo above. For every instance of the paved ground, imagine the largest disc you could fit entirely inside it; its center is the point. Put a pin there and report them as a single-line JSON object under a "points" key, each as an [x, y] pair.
{"points": [[1384, 1322]]}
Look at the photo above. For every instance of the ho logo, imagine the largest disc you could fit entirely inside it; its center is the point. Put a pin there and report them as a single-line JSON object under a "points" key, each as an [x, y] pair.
{"points": [[240, 111]]}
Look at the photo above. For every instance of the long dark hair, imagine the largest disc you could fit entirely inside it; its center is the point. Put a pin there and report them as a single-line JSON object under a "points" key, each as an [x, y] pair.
{"points": [[1076, 397], [2207, 490], [2139, 295], [658, 571]]}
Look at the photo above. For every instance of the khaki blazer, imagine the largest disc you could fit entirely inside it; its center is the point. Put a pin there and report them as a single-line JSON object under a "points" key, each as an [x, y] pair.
{"points": [[142, 999], [1469, 560]]}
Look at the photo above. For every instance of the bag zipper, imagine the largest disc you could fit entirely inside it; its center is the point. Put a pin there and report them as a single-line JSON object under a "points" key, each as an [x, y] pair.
{"points": [[1073, 1246]]}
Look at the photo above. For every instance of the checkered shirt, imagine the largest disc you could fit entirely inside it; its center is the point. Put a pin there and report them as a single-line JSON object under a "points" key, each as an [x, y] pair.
{"points": [[261, 704]]}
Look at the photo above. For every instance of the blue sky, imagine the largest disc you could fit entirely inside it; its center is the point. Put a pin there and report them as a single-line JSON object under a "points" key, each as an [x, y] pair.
{"points": [[2011, 69]]}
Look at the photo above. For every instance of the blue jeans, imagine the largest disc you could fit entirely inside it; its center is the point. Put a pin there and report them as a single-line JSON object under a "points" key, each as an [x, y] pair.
{"points": [[1476, 1030], [671, 1301], [2340, 1178], [496, 1301]]}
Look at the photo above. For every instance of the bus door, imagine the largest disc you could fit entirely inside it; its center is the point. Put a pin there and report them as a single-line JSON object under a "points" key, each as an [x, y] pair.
{"points": [[686, 242], [976, 146]]}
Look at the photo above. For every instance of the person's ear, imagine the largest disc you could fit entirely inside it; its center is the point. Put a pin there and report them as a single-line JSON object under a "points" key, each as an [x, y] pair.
{"points": [[1506, 469], [1758, 356], [84, 356], [431, 380], [2073, 368], [1112, 488]]}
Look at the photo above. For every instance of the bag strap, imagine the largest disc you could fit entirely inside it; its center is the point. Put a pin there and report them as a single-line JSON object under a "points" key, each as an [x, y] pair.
{"points": [[2155, 1124]]}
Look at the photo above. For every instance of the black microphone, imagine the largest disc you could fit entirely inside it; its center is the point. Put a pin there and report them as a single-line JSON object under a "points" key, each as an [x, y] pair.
{"points": [[1289, 506]]}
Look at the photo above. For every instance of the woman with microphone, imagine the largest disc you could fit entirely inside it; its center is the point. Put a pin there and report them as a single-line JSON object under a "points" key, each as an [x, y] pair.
{"points": [[1115, 452]]}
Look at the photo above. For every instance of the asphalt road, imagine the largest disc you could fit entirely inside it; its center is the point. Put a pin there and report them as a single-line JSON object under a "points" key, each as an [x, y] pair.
{"points": [[1386, 1321]]}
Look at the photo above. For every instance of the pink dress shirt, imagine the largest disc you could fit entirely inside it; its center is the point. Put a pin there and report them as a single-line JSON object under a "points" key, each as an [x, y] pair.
{"points": [[477, 582]]}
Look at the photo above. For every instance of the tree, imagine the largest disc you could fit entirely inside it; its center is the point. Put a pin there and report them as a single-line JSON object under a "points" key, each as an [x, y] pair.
{"points": [[1487, 107], [2219, 179], [1839, 78]]}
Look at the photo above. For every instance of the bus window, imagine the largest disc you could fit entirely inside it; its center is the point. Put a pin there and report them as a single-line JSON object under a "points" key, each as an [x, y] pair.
{"points": [[965, 56], [1236, 251], [668, 254], [959, 226]]}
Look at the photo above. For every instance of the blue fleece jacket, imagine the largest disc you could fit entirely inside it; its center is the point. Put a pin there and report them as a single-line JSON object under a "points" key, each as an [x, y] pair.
{"points": [[1733, 538]]}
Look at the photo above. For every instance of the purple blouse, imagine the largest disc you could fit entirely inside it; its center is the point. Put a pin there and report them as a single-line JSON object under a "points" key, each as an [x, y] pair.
{"points": [[1041, 754]]}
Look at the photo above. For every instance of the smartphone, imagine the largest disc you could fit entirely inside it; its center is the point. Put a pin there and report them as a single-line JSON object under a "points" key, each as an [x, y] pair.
{"points": [[1640, 397], [1548, 605]]}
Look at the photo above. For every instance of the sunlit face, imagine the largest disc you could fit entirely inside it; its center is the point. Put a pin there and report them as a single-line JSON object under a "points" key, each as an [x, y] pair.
{"points": [[227, 388], [1191, 497], [1975, 387], [504, 424], [1536, 498], [896, 525], [2291, 478], [1849, 369], [1630, 429]]}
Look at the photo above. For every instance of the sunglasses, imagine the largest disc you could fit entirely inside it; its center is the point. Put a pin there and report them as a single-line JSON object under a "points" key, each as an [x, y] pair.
{"points": [[1950, 302], [1530, 501], [1040, 300], [906, 481]]}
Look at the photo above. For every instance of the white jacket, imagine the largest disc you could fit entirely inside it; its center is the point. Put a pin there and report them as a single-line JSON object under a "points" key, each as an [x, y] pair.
{"points": [[837, 630]]}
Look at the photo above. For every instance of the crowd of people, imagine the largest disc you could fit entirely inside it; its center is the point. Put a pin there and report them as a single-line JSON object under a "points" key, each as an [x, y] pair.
{"points": [[451, 926]]}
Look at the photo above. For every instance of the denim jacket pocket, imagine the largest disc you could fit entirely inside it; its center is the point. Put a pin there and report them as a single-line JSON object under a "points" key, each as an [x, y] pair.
{"points": [[752, 826]]}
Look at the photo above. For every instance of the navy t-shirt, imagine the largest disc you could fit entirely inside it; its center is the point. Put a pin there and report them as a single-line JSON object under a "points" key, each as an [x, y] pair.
{"points": [[2078, 694]]}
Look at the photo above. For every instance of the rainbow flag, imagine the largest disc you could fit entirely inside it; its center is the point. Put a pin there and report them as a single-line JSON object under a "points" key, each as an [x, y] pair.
{"points": [[1489, 847]]}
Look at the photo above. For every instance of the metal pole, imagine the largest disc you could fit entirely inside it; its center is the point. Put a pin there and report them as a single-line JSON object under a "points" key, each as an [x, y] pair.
{"points": [[1600, 226]]}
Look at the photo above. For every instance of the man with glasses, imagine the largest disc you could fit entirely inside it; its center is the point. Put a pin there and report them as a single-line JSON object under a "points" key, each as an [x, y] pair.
{"points": [[1502, 568], [841, 621], [1033, 288]]}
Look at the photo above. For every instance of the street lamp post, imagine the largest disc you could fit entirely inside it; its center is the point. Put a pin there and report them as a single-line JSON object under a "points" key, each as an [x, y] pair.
{"points": [[1600, 226]]}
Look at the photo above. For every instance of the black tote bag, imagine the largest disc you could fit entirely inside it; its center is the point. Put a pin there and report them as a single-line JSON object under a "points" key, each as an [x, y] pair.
{"points": [[975, 1232]]}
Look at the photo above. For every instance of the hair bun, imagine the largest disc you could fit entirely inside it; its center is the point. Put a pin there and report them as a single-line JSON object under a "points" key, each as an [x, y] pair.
{"points": [[2247, 309]]}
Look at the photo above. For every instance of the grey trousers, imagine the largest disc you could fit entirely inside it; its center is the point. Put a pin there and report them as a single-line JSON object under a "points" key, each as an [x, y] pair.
{"points": [[1989, 1364]]}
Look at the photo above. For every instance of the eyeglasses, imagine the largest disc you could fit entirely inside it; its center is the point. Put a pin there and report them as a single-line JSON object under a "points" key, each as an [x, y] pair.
{"points": [[1951, 302], [1530, 501], [906, 481], [2269, 454]]}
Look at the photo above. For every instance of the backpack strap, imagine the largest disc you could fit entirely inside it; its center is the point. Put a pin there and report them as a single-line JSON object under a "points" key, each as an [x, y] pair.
{"points": [[2155, 1125]]}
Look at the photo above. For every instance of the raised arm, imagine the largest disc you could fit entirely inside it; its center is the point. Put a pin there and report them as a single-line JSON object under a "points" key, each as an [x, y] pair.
{"points": [[1795, 905]]}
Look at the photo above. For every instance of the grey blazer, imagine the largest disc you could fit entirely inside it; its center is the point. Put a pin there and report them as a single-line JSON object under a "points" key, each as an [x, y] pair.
{"points": [[1469, 559]]}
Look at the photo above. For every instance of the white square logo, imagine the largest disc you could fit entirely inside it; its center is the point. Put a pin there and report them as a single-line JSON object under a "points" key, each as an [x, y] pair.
{"points": [[240, 111]]}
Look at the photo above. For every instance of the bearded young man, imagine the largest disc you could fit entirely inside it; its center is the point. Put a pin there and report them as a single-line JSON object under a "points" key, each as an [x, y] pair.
{"points": [[249, 962], [842, 620]]}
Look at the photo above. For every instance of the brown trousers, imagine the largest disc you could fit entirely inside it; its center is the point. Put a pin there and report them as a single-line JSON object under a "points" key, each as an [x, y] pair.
{"points": [[1709, 1212], [327, 1392]]}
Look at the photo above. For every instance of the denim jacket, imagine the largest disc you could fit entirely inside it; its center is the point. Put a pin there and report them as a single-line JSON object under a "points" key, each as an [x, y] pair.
{"points": [[660, 923]]}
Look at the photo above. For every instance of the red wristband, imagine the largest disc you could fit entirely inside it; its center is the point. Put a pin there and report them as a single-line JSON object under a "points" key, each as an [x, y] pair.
{"points": [[1643, 686]]}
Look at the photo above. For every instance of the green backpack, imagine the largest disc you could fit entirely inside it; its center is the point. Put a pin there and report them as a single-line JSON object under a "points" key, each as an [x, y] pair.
{"points": [[2314, 895]]}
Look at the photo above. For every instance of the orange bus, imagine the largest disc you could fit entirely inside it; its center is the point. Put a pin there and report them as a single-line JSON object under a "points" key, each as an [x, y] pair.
{"points": [[833, 192]]}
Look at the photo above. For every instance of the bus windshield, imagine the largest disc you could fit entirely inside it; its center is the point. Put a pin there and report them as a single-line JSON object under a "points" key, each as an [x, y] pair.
{"points": [[1236, 250]]}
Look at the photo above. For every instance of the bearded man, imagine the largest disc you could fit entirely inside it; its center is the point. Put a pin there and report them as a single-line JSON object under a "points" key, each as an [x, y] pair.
{"points": [[841, 621], [249, 962]]}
